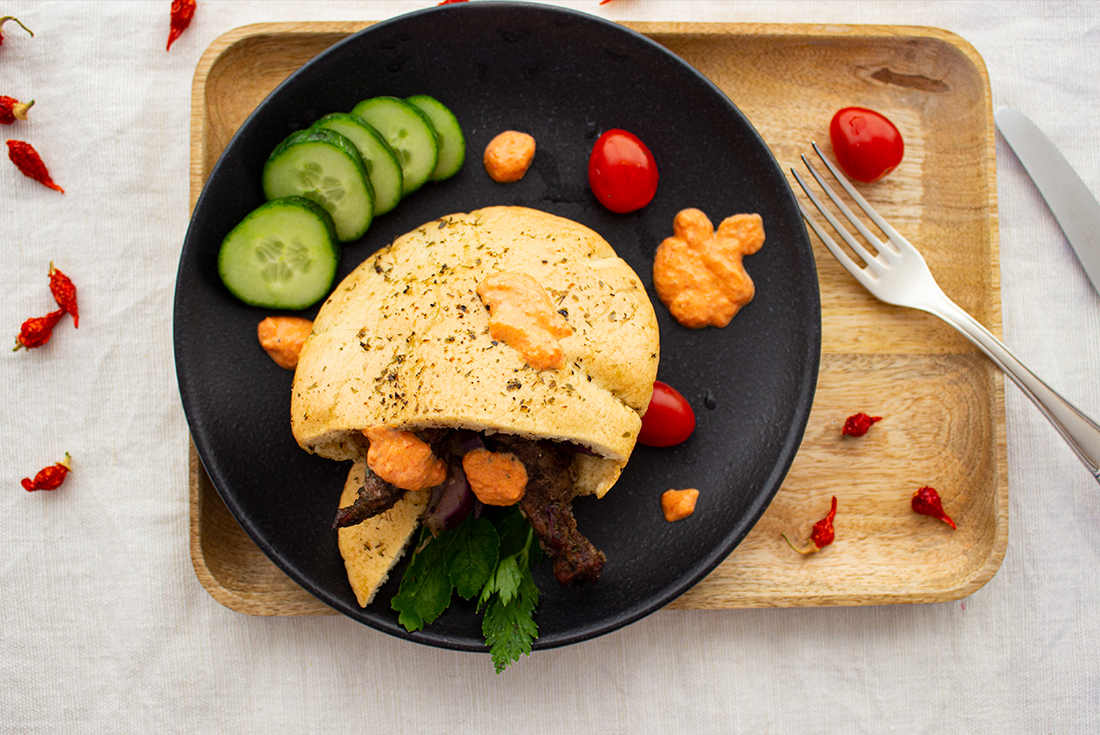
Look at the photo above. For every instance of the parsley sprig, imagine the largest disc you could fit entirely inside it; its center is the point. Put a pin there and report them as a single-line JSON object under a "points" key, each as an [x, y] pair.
{"points": [[489, 558]]}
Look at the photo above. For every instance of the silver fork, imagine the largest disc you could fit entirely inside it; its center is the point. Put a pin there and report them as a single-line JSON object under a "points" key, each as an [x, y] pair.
{"points": [[897, 274]]}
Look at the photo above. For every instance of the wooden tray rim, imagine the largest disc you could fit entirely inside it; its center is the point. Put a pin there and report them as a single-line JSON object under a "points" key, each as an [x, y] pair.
{"points": [[257, 602]]}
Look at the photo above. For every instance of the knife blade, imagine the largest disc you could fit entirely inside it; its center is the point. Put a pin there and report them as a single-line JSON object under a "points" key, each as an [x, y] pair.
{"points": [[1073, 205]]}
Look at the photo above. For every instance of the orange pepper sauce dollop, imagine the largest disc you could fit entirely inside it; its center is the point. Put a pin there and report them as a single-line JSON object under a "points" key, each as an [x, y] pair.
{"points": [[522, 316], [496, 478], [698, 273], [403, 459], [508, 156], [678, 504], [282, 338]]}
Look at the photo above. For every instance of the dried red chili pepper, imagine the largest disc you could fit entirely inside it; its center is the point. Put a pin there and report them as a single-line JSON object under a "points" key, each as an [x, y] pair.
{"points": [[29, 163], [182, 12], [64, 293], [12, 109], [858, 424], [49, 478], [37, 331], [4, 20], [822, 534], [926, 501]]}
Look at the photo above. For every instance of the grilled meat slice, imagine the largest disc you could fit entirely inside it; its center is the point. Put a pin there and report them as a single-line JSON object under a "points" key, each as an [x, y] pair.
{"points": [[547, 464], [375, 496], [575, 558], [548, 506]]}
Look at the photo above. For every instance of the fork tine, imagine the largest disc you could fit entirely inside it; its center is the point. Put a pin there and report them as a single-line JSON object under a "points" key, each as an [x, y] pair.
{"points": [[841, 230], [856, 222], [860, 274], [874, 216]]}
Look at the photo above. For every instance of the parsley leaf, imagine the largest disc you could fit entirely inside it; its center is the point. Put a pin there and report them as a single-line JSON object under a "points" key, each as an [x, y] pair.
{"points": [[508, 579], [473, 552], [515, 558], [492, 555], [513, 529], [509, 627], [425, 590]]}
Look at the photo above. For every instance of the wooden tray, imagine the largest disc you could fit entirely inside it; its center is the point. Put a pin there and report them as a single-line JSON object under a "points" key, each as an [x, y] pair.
{"points": [[943, 403]]}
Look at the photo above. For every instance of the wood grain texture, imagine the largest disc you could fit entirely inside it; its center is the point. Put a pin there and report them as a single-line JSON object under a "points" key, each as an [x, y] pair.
{"points": [[942, 402]]}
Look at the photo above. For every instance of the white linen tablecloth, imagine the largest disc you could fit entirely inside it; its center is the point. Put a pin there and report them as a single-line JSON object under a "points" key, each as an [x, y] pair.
{"points": [[105, 627]]}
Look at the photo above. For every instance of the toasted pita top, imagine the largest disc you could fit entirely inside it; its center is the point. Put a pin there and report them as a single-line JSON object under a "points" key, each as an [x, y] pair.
{"points": [[404, 341]]}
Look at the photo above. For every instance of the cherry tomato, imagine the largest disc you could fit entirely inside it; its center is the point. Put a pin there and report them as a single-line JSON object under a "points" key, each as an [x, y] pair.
{"points": [[622, 172], [866, 144], [669, 419]]}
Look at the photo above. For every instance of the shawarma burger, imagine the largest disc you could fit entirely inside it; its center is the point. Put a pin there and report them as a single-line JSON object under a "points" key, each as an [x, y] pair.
{"points": [[502, 356]]}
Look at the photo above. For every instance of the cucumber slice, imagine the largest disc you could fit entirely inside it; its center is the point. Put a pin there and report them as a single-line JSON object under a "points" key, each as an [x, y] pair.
{"points": [[383, 168], [282, 255], [452, 144], [326, 167], [409, 132]]}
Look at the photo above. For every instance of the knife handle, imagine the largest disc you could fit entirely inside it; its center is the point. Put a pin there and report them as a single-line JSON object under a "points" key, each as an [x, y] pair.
{"points": [[1080, 432]]}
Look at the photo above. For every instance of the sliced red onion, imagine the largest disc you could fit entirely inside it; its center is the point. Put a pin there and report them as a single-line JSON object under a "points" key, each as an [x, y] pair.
{"points": [[463, 441], [451, 502]]}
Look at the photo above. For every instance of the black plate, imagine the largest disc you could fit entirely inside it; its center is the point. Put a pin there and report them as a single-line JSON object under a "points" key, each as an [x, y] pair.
{"points": [[564, 77]]}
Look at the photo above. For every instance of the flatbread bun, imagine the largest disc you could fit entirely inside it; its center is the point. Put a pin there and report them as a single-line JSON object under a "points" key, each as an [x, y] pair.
{"points": [[371, 548], [404, 341]]}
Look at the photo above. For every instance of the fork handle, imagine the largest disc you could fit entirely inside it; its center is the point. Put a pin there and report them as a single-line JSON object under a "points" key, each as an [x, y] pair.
{"points": [[1080, 432]]}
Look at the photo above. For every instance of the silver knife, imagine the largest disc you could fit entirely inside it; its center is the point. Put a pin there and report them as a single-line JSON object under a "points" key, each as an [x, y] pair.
{"points": [[1073, 205]]}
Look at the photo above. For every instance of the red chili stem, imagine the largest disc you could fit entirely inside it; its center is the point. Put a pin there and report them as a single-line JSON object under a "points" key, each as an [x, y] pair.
{"points": [[12, 109], [808, 550], [5, 19]]}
